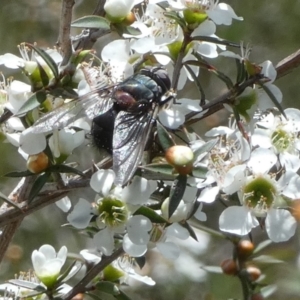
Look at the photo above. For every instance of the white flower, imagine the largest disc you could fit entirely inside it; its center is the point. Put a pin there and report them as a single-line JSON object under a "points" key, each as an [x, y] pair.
{"points": [[64, 141], [261, 196], [17, 94], [118, 54], [174, 116], [280, 135], [113, 210], [47, 263], [29, 60], [220, 13], [120, 8]]}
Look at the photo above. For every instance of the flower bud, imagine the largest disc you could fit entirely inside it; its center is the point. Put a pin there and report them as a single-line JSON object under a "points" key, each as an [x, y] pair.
{"points": [[229, 267], [181, 158], [117, 10], [245, 248], [296, 209], [253, 272], [257, 296], [130, 18], [37, 163]]}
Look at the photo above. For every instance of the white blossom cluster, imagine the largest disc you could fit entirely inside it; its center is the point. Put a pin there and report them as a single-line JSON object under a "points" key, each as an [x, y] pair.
{"points": [[256, 165]]}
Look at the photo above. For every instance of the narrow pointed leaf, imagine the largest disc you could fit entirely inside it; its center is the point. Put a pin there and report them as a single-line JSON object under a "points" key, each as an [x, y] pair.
{"points": [[213, 269], [33, 102], [64, 169], [19, 174], [122, 296], [216, 40], [199, 87], [27, 284], [164, 137], [107, 287], [272, 97], [65, 276], [47, 58], [242, 74], [261, 246], [92, 21], [43, 74], [268, 259], [38, 185], [159, 168], [131, 30], [190, 229], [200, 172], [176, 193], [206, 147], [141, 261], [150, 214]]}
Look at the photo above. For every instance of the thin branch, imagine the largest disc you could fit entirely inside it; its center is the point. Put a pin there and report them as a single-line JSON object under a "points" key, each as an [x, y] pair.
{"points": [[18, 195], [283, 68], [288, 64], [64, 37], [81, 287]]}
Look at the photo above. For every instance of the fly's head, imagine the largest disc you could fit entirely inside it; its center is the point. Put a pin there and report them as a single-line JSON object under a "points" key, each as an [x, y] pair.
{"points": [[162, 79]]}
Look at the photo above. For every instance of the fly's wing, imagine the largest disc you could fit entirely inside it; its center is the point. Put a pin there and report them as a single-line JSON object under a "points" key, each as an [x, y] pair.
{"points": [[130, 137], [91, 105]]}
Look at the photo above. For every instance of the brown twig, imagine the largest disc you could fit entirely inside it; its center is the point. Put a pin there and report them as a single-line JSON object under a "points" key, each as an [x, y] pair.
{"points": [[64, 37], [81, 287], [19, 194], [283, 68]]}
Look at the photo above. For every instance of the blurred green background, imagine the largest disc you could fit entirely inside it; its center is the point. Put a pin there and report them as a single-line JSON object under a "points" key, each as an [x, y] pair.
{"points": [[272, 28]]}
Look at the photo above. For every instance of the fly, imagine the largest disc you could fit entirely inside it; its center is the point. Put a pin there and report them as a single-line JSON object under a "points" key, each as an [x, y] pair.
{"points": [[122, 117]]}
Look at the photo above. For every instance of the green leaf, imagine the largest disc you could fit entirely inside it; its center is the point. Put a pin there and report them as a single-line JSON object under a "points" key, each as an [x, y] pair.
{"points": [[198, 84], [19, 174], [176, 193], [268, 290], [33, 102], [131, 30], [150, 214], [261, 246], [107, 287], [190, 229], [47, 58], [141, 261], [216, 40], [223, 77], [64, 169], [272, 97], [122, 296], [38, 185], [8, 201], [99, 295], [242, 74], [159, 168], [267, 259], [205, 148], [200, 172], [164, 137], [213, 269], [65, 276], [43, 74], [92, 21], [27, 284]]}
